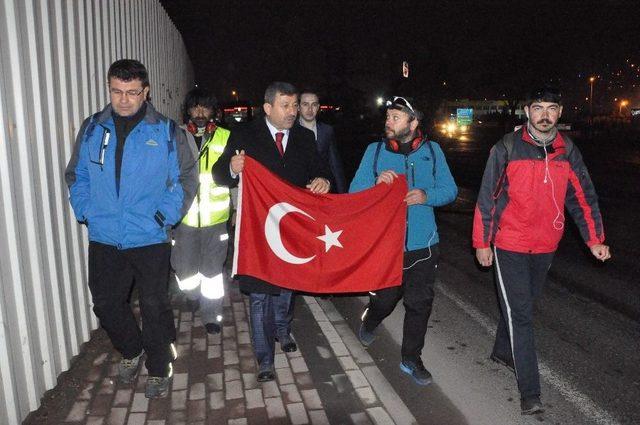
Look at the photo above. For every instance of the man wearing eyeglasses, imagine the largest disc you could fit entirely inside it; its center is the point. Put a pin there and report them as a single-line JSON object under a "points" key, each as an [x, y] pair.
{"points": [[405, 150], [531, 175], [131, 177]]}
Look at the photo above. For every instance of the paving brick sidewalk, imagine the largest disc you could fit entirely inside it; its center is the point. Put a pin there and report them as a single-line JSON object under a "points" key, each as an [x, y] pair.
{"points": [[330, 379]]}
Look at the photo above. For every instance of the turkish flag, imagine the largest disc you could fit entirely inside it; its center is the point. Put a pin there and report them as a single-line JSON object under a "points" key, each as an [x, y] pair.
{"points": [[292, 238]]}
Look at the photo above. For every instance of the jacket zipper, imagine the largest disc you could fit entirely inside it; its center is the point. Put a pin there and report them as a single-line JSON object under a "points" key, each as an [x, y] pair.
{"points": [[406, 227]]}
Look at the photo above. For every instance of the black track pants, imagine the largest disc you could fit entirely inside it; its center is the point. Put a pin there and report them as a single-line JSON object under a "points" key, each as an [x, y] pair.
{"points": [[519, 280], [112, 273]]}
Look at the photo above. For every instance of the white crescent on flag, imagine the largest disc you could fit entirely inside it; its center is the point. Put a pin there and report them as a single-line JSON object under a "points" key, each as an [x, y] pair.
{"points": [[273, 236]]}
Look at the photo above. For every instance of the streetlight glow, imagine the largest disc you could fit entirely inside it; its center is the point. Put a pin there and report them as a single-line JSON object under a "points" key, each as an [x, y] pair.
{"points": [[623, 103]]}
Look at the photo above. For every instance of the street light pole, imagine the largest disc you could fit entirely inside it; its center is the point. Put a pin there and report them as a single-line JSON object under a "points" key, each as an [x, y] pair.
{"points": [[591, 80], [623, 103]]}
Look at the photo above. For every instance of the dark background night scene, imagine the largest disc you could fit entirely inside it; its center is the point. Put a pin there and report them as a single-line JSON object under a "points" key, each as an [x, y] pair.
{"points": [[483, 56]]}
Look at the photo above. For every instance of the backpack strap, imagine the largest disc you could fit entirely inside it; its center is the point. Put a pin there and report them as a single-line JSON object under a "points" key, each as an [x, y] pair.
{"points": [[433, 155], [171, 132], [90, 126], [375, 160], [508, 141]]}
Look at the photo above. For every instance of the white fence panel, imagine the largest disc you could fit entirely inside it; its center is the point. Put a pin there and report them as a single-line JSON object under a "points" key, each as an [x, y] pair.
{"points": [[54, 56]]}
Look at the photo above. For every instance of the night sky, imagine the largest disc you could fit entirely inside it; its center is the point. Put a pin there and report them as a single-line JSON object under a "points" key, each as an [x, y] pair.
{"points": [[351, 51]]}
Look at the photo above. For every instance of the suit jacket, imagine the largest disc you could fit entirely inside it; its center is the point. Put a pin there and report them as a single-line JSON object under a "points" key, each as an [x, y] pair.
{"points": [[300, 164], [326, 144]]}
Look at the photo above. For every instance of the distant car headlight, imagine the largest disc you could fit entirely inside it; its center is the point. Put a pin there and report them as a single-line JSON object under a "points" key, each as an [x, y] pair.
{"points": [[452, 127]]}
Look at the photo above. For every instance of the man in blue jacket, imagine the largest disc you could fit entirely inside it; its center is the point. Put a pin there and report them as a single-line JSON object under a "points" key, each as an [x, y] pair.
{"points": [[406, 151], [131, 177]]}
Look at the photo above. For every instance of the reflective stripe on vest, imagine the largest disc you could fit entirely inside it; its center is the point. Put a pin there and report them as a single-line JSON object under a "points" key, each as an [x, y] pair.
{"points": [[211, 204]]}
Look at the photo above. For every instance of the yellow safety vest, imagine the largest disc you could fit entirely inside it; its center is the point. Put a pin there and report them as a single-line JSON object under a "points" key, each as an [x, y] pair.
{"points": [[211, 204]]}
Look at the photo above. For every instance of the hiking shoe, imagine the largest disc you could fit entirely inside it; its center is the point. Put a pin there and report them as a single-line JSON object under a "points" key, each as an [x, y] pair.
{"points": [[128, 368], [212, 328], [157, 387], [506, 362], [531, 405], [365, 337], [417, 371]]}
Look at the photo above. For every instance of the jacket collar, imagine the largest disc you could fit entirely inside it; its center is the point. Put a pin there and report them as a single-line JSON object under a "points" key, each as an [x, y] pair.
{"points": [[151, 116], [557, 143]]}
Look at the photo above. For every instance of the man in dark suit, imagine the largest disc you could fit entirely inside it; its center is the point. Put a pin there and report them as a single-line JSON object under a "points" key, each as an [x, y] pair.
{"points": [[325, 138], [288, 151]]}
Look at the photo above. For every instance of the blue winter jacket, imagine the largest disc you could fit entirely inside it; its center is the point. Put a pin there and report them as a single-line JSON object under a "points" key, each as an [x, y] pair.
{"points": [[158, 180], [425, 168]]}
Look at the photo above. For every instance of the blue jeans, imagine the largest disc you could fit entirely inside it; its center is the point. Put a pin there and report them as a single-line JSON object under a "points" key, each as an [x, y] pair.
{"points": [[283, 309], [270, 316]]}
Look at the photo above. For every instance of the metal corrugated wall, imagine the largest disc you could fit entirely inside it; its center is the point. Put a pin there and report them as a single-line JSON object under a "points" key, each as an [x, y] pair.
{"points": [[54, 55]]}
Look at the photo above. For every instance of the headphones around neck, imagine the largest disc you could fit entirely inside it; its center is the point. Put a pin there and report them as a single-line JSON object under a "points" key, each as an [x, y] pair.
{"points": [[209, 128], [394, 145]]}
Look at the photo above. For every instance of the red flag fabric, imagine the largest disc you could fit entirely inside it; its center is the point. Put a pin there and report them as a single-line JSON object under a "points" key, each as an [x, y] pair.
{"points": [[329, 243]]}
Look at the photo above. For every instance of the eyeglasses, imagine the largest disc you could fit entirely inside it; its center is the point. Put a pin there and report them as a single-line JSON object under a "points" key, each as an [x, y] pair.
{"points": [[129, 93], [400, 101]]}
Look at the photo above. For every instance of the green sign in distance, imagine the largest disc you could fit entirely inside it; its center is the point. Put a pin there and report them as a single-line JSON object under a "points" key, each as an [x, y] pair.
{"points": [[464, 116]]}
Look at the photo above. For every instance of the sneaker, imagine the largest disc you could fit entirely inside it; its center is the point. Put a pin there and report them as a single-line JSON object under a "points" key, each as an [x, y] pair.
{"points": [[212, 328], [417, 371], [531, 405], [287, 344], [365, 337], [157, 387], [128, 368], [266, 374]]}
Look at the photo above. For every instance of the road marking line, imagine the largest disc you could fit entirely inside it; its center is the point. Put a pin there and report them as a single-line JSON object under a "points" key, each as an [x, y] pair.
{"points": [[582, 402]]}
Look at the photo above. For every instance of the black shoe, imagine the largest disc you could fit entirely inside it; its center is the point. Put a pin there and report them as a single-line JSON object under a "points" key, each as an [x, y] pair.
{"points": [[531, 405], [417, 371], [506, 362], [212, 328], [266, 374], [192, 305], [287, 344]]}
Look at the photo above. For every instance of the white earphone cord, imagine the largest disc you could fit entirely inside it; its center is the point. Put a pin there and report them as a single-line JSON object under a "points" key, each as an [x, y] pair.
{"points": [[422, 259], [558, 221]]}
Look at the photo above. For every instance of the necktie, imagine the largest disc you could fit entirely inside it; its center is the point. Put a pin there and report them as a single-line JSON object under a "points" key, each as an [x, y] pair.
{"points": [[279, 137]]}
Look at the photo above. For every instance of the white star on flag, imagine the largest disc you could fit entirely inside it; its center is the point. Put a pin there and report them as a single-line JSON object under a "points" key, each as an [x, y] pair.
{"points": [[330, 238]]}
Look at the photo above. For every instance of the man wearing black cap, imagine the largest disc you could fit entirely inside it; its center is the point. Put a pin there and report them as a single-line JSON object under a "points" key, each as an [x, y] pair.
{"points": [[532, 174], [406, 151]]}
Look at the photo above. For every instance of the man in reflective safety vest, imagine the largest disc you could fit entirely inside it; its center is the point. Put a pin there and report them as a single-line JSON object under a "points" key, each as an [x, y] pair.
{"points": [[201, 240]]}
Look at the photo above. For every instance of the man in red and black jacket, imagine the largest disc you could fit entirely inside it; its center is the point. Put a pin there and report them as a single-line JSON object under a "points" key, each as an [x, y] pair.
{"points": [[532, 174]]}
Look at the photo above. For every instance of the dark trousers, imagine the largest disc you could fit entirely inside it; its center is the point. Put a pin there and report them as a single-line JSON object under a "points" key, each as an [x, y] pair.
{"points": [[417, 291], [519, 280], [112, 273], [270, 314]]}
